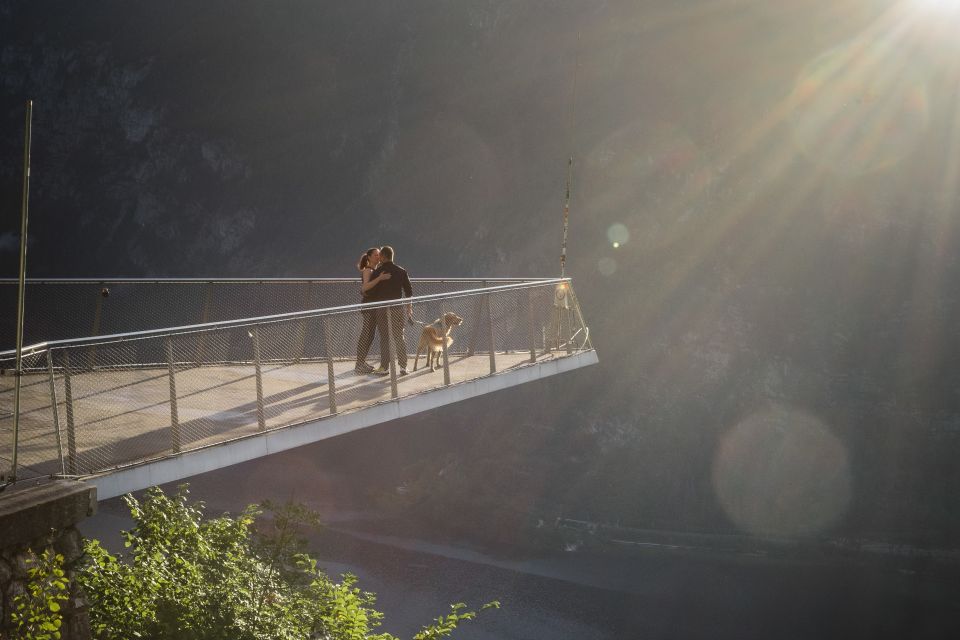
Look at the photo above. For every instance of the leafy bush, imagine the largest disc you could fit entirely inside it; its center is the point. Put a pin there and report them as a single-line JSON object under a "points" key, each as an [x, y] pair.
{"points": [[188, 578], [36, 612]]}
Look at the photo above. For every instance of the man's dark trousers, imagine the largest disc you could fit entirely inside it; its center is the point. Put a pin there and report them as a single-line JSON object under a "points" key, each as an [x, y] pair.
{"points": [[396, 316]]}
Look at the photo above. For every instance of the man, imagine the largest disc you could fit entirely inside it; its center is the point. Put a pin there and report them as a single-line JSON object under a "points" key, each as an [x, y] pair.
{"points": [[395, 288]]}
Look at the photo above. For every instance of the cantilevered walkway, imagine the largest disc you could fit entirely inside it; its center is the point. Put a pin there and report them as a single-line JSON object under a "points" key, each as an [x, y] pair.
{"points": [[137, 408]]}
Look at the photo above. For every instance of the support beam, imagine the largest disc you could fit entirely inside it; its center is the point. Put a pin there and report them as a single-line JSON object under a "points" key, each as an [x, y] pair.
{"points": [[190, 463]]}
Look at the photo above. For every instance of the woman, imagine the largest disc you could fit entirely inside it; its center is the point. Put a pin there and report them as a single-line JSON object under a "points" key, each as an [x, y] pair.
{"points": [[368, 262]]}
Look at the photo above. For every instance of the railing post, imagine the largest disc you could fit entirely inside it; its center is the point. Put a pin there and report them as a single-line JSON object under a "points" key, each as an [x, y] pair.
{"points": [[301, 341], [258, 375], [561, 300], [95, 331], [533, 326], [331, 376], [56, 412], [490, 337], [207, 299], [174, 420], [446, 355], [68, 406], [300, 349], [204, 319], [391, 350], [477, 315], [98, 313]]}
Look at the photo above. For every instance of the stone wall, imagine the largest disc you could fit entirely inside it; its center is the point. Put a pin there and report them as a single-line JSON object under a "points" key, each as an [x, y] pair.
{"points": [[37, 518]]}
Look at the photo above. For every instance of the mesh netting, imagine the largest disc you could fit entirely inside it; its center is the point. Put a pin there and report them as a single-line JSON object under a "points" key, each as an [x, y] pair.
{"points": [[92, 405], [64, 309]]}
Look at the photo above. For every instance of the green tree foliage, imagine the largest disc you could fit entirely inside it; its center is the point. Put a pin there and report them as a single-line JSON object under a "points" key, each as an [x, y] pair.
{"points": [[190, 578], [36, 612]]}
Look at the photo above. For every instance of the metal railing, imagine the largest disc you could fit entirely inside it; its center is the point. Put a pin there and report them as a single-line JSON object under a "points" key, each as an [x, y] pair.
{"points": [[93, 404], [62, 308]]}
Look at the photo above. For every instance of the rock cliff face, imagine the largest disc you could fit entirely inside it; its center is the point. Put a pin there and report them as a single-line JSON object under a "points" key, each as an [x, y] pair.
{"points": [[784, 212]]}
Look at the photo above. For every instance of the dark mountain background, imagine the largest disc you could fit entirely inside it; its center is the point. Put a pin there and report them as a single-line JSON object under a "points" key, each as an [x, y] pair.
{"points": [[775, 324]]}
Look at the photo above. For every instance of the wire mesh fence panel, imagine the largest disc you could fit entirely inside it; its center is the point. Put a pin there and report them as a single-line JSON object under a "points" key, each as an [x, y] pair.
{"points": [[64, 309], [117, 411], [125, 399], [509, 328], [293, 388], [128, 306], [48, 312], [582, 334], [354, 341], [546, 314], [37, 453], [7, 382], [214, 401]]}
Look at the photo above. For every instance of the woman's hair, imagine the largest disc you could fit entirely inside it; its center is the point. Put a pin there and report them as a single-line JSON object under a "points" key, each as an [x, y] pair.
{"points": [[365, 258]]}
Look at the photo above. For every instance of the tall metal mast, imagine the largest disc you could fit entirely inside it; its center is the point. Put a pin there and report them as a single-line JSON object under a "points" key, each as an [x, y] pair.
{"points": [[24, 211], [570, 124]]}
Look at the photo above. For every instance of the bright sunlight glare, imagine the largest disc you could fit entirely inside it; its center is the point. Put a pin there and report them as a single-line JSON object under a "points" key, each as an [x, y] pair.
{"points": [[940, 6]]}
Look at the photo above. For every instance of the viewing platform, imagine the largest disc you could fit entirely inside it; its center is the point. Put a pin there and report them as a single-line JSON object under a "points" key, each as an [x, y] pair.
{"points": [[199, 374]]}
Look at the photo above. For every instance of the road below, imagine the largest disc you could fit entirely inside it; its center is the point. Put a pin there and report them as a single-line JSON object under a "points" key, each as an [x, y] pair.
{"points": [[652, 593]]}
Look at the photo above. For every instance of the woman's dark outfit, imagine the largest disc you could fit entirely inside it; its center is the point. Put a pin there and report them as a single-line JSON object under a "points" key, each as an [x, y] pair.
{"points": [[367, 328]]}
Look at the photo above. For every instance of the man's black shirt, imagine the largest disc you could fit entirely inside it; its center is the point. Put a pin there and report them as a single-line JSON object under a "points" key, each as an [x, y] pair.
{"points": [[393, 289]]}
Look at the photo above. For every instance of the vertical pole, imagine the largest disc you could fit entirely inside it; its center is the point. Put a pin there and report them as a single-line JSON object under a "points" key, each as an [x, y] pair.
{"points": [[301, 345], [477, 315], [95, 330], [566, 200], [491, 340], [204, 319], [97, 314], [207, 298], [331, 377], [392, 351], [56, 412], [556, 342], [68, 405], [301, 342], [533, 326], [174, 420], [24, 209], [446, 355], [261, 420]]}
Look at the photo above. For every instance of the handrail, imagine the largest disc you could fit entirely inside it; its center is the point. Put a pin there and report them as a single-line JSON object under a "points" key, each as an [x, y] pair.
{"points": [[293, 280], [116, 388], [293, 315]]}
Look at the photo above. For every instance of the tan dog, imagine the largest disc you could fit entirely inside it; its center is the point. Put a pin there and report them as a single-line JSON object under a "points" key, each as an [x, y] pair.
{"points": [[432, 337]]}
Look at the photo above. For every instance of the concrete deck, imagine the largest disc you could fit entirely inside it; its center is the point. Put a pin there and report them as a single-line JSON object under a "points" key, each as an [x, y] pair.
{"points": [[122, 418]]}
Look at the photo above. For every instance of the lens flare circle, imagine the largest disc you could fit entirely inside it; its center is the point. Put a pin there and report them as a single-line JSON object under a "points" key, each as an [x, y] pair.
{"points": [[618, 234], [782, 472], [607, 266]]}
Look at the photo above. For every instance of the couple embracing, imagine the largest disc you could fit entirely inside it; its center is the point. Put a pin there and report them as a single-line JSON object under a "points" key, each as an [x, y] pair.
{"points": [[382, 280]]}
